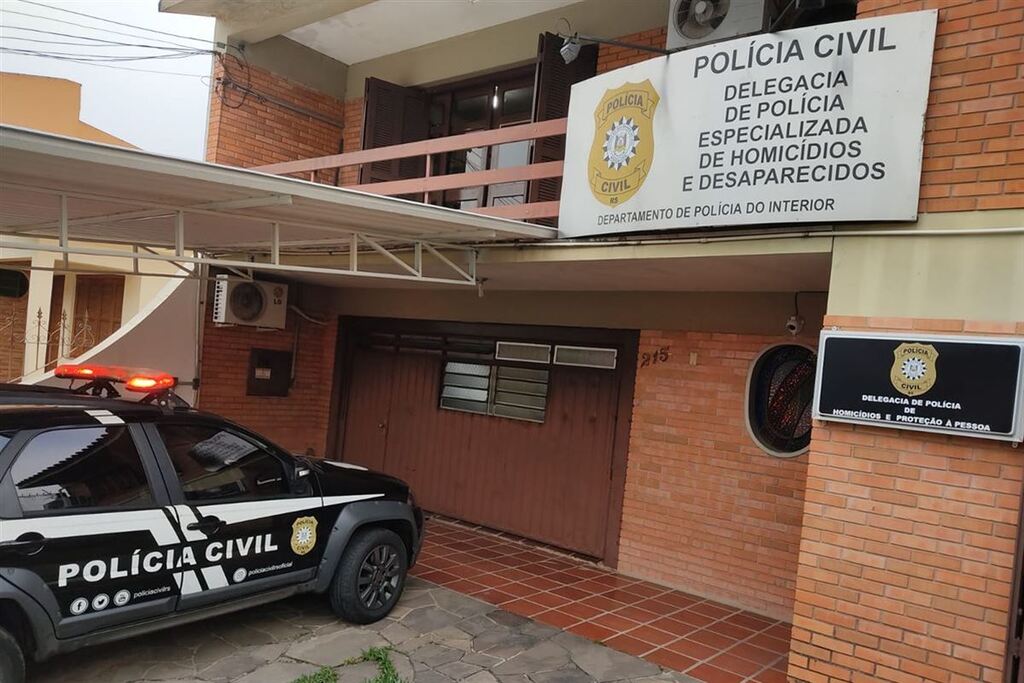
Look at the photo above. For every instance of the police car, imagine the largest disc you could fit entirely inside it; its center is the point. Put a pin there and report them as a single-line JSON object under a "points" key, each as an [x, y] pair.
{"points": [[119, 517]]}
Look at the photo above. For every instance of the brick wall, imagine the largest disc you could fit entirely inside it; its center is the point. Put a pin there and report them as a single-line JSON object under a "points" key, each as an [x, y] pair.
{"points": [[254, 132], [610, 57], [297, 422], [906, 561], [705, 509], [353, 135], [974, 127]]}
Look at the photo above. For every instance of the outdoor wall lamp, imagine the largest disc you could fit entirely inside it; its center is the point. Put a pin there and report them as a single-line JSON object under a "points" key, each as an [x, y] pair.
{"points": [[570, 49]]}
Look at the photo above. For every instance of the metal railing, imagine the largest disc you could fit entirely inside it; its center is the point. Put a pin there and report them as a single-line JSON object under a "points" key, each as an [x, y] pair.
{"points": [[433, 183], [42, 344]]}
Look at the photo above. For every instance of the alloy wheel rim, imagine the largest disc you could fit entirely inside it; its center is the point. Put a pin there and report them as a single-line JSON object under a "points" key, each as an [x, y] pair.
{"points": [[378, 577]]}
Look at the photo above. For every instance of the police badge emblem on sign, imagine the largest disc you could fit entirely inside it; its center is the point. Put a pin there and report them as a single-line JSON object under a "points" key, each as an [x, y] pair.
{"points": [[623, 147], [914, 368], [303, 535]]}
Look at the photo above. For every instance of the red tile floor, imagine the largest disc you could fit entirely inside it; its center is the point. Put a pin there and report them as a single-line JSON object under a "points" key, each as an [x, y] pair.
{"points": [[707, 640]]}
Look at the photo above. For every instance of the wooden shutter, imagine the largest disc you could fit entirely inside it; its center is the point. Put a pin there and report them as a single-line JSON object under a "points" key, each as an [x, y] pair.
{"points": [[98, 301], [553, 82], [393, 115]]}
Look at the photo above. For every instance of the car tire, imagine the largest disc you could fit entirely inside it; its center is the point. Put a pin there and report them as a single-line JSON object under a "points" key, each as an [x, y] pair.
{"points": [[12, 661], [370, 576]]}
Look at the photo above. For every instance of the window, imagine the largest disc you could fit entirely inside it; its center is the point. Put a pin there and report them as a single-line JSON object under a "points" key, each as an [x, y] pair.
{"points": [[215, 464], [780, 394], [502, 391], [586, 357], [81, 468], [523, 353]]}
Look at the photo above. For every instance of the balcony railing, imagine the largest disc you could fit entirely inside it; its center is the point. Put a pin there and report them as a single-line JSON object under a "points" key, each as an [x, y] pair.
{"points": [[430, 184]]}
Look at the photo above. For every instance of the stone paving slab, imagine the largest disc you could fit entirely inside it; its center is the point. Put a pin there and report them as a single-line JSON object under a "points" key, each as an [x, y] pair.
{"points": [[436, 636]]}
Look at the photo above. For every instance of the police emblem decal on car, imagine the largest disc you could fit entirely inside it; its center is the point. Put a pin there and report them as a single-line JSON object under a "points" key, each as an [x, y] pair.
{"points": [[303, 535]]}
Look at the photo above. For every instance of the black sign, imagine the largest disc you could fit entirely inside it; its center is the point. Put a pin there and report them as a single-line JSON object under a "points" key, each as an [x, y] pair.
{"points": [[944, 385]]}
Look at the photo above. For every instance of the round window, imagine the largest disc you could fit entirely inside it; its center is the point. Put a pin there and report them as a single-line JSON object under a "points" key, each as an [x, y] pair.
{"points": [[780, 393]]}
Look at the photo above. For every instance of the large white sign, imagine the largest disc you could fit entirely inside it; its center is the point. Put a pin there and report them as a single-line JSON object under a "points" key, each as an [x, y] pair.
{"points": [[817, 124]]}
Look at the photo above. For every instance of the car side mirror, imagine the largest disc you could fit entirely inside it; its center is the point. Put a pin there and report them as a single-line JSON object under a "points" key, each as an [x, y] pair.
{"points": [[300, 479]]}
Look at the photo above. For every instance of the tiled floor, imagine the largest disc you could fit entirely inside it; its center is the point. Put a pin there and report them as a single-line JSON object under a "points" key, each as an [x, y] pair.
{"points": [[707, 640]]}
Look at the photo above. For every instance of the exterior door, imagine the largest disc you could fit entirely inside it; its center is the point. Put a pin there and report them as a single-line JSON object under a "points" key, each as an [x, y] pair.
{"points": [[84, 525], [546, 477], [366, 438], [1014, 670], [247, 523]]}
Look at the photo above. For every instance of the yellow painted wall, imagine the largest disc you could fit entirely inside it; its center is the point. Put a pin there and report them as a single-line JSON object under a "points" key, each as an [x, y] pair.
{"points": [[966, 277], [726, 312], [52, 105]]}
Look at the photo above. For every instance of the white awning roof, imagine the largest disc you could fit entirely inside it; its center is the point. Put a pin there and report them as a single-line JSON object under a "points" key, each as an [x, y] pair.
{"points": [[122, 196]]}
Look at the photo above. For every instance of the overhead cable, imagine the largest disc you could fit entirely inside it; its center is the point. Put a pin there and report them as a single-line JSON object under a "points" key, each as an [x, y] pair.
{"points": [[95, 57], [203, 77], [91, 42], [117, 23], [106, 31]]}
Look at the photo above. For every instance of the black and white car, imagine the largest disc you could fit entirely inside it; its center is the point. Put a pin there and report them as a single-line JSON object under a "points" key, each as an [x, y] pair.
{"points": [[118, 518]]}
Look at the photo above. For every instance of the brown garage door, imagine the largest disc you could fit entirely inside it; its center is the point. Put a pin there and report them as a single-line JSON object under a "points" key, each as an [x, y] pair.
{"points": [[547, 473]]}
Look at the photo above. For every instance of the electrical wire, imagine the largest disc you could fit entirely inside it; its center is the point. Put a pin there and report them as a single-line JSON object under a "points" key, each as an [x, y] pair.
{"points": [[70, 43], [116, 23], [237, 74], [96, 58], [94, 42], [227, 81], [202, 77], [104, 29]]}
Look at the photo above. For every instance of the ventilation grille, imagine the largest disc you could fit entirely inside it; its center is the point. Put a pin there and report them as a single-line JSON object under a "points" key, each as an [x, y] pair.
{"points": [[586, 357], [521, 352], [498, 390]]}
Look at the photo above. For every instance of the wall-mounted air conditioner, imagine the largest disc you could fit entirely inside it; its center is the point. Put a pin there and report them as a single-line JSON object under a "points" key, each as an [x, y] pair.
{"points": [[696, 22], [250, 302]]}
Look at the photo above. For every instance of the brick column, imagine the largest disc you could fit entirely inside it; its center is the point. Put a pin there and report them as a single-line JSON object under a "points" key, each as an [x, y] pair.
{"points": [[906, 560]]}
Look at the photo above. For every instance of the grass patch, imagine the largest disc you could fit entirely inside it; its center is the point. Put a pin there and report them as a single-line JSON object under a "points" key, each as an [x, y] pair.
{"points": [[386, 672], [324, 675], [381, 656]]}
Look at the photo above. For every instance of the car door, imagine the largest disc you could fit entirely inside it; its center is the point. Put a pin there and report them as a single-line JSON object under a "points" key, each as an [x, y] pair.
{"points": [[85, 530], [250, 516]]}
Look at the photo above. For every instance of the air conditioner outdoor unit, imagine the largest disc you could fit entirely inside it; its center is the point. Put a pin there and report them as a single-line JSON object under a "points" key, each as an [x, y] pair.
{"points": [[697, 22], [254, 303]]}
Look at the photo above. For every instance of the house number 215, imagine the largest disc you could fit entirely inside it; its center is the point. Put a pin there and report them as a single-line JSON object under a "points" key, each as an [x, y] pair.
{"points": [[659, 355]]}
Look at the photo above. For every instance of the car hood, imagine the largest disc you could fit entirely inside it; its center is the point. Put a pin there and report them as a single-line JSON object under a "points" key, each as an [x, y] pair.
{"points": [[342, 479]]}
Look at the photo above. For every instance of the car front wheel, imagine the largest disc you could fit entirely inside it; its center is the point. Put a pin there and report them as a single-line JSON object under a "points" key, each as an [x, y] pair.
{"points": [[12, 662], [370, 576]]}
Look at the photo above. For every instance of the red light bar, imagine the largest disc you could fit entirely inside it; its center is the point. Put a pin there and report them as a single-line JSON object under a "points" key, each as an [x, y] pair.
{"points": [[150, 380], [134, 379]]}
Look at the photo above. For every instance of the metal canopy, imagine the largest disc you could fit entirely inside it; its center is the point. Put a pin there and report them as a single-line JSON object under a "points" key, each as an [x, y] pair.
{"points": [[93, 199]]}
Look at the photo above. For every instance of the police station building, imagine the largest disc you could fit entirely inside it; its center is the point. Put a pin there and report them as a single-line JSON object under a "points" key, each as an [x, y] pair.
{"points": [[745, 319]]}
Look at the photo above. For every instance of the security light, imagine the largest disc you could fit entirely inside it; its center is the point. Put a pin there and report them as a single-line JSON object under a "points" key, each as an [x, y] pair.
{"points": [[570, 49], [810, 4]]}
